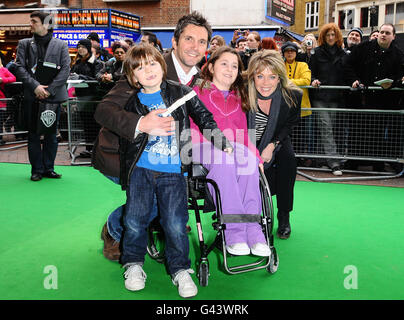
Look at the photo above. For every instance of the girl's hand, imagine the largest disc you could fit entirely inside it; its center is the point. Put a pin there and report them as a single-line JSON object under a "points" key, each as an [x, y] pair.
{"points": [[228, 150]]}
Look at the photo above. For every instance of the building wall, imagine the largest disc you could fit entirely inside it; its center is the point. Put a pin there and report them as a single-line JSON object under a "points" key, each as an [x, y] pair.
{"points": [[153, 13], [15, 3], [300, 17], [231, 12]]}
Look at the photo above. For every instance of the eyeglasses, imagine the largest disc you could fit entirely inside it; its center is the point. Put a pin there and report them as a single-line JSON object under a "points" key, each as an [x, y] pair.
{"points": [[119, 52]]}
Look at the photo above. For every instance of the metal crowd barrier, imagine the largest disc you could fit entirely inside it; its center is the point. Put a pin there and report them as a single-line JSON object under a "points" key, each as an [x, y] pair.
{"points": [[7, 125], [352, 130], [353, 136]]}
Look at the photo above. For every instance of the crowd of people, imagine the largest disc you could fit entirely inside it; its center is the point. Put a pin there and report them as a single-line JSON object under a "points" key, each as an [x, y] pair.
{"points": [[227, 92]]}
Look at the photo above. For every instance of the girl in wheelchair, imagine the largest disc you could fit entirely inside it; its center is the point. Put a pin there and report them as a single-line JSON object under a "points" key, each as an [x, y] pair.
{"points": [[237, 175]]}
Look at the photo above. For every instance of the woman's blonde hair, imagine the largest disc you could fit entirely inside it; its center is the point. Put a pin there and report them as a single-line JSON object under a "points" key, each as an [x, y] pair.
{"points": [[308, 36], [142, 53], [220, 40], [272, 60]]}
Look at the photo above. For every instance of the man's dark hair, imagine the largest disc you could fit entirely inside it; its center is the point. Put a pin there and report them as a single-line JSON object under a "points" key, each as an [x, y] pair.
{"points": [[152, 37], [42, 15], [374, 31], [389, 24], [194, 18]]}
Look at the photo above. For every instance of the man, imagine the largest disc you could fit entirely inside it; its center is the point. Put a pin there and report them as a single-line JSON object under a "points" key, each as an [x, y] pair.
{"points": [[369, 62], [190, 41], [354, 37], [352, 101], [241, 44], [42, 48], [373, 35], [375, 60], [95, 43], [150, 37]]}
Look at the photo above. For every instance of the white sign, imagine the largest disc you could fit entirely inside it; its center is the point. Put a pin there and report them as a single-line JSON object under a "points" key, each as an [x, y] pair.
{"points": [[54, 3]]}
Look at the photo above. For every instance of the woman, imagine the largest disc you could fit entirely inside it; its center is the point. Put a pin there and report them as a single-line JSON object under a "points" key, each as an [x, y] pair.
{"points": [[237, 175], [299, 73], [326, 69], [216, 42], [308, 45], [112, 70], [85, 67], [253, 45], [269, 44], [275, 110]]}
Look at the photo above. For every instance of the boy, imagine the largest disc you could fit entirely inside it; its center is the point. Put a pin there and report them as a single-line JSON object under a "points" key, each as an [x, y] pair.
{"points": [[154, 164]]}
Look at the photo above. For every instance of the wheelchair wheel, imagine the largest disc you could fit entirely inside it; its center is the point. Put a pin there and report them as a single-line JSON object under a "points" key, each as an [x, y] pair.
{"points": [[155, 244], [274, 263], [203, 274]]}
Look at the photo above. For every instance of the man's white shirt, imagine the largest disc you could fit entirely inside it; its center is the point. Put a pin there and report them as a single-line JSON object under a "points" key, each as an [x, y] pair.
{"points": [[183, 77]]}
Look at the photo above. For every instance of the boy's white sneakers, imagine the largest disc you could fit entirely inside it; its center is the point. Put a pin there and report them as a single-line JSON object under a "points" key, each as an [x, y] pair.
{"points": [[185, 284], [135, 278]]}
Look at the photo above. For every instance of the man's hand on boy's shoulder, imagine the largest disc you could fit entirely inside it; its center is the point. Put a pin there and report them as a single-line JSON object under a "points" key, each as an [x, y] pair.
{"points": [[156, 125]]}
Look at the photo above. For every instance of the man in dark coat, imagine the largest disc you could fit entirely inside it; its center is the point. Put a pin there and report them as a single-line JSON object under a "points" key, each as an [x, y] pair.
{"points": [[42, 47], [95, 42], [190, 41], [369, 62]]}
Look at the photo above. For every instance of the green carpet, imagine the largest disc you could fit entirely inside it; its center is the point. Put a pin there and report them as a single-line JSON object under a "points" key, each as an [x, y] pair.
{"points": [[346, 243]]}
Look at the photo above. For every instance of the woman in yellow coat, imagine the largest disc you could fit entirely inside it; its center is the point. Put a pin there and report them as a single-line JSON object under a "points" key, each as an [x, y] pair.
{"points": [[300, 74]]}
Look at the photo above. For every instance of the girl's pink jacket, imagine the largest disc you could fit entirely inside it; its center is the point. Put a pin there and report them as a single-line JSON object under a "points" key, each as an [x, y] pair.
{"points": [[229, 116]]}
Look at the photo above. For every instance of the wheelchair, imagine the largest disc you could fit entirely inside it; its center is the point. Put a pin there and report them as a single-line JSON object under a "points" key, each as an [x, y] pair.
{"points": [[197, 190]]}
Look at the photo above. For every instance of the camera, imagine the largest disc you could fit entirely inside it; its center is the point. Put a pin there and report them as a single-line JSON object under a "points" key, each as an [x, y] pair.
{"points": [[309, 43], [250, 51]]}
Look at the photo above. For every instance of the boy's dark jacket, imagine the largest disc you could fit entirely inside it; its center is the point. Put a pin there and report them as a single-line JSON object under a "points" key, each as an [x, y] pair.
{"points": [[121, 110]]}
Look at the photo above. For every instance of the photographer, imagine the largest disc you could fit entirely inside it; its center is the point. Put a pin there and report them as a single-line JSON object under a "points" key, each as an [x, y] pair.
{"points": [[308, 45], [238, 34], [253, 45]]}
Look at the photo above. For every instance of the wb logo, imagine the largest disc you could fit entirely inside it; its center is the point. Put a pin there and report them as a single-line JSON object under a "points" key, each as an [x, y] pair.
{"points": [[48, 118]]}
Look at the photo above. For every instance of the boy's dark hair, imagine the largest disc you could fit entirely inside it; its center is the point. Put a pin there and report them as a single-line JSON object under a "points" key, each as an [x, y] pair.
{"points": [[152, 37], [139, 54], [42, 15], [194, 18]]}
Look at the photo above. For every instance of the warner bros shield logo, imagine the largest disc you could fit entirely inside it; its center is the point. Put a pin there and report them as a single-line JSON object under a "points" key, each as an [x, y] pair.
{"points": [[48, 118]]}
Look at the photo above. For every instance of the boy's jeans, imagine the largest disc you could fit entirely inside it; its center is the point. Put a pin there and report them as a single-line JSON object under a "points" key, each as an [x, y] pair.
{"points": [[114, 221], [170, 189]]}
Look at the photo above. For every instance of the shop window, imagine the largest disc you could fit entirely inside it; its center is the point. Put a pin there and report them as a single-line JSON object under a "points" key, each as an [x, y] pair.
{"points": [[364, 17], [400, 13], [312, 10], [346, 19], [389, 18]]}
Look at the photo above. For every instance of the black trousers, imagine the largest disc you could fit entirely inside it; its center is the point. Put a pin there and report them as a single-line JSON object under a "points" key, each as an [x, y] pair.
{"points": [[281, 176], [42, 154]]}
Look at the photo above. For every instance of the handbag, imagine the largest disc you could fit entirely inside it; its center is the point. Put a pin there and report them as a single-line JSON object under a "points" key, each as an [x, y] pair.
{"points": [[47, 117]]}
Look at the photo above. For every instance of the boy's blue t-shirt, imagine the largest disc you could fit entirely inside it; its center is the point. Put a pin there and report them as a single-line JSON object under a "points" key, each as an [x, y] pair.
{"points": [[161, 153]]}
